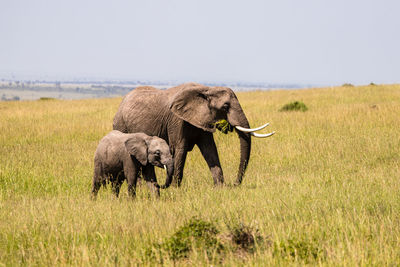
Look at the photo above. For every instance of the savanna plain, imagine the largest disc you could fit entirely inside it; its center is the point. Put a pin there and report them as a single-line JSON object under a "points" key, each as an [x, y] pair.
{"points": [[324, 190]]}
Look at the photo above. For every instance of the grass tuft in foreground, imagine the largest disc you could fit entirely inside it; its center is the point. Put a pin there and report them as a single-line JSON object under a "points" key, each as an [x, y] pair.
{"points": [[196, 234], [202, 237]]}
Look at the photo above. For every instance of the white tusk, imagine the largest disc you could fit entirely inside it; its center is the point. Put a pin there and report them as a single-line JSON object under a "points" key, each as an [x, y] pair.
{"points": [[246, 130], [262, 135], [165, 167]]}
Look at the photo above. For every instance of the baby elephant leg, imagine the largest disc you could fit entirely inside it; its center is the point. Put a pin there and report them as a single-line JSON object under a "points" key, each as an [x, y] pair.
{"points": [[95, 189], [151, 180], [131, 173], [117, 181]]}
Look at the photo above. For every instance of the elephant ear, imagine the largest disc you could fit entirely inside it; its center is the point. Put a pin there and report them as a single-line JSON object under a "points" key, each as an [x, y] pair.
{"points": [[137, 147], [191, 104]]}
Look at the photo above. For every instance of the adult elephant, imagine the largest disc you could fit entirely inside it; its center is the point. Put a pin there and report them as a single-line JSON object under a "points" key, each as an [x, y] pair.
{"points": [[185, 116]]}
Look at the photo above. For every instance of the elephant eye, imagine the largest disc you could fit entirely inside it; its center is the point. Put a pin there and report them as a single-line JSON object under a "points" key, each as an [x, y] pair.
{"points": [[157, 153], [226, 106], [203, 96]]}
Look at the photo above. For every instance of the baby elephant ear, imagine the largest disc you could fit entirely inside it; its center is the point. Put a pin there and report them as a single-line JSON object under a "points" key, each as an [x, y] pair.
{"points": [[137, 147]]}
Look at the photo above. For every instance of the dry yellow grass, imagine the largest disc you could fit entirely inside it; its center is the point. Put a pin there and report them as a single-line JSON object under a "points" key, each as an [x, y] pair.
{"points": [[328, 181]]}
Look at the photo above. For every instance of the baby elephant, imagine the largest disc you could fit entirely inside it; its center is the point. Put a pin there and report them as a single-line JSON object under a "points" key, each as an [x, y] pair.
{"points": [[121, 156]]}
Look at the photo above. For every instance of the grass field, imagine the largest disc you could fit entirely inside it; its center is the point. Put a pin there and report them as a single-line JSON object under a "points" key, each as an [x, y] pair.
{"points": [[325, 189]]}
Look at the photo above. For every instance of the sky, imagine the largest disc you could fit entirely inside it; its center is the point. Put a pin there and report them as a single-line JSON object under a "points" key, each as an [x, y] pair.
{"points": [[286, 41]]}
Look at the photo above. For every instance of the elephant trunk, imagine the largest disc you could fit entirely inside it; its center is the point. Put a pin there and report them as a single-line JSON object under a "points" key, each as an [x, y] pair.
{"points": [[236, 117], [245, 148], [170, 174]]}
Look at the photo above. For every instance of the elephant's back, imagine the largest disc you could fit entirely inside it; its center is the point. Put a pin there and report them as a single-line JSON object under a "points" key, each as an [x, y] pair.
{"points": [[110, 149], [144, 88], [142, 110], [141, 95]]}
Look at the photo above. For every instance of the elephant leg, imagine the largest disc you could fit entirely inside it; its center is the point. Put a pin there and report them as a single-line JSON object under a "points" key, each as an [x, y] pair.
{"points": [[95, 188], [179, 164], [117, 182], [209, 151], [151, 180], [131, 172], [140, 179], [116, 186]]}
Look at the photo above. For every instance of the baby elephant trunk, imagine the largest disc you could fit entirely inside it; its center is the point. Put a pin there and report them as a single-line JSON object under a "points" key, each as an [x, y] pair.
{"points": [[170, 173]]}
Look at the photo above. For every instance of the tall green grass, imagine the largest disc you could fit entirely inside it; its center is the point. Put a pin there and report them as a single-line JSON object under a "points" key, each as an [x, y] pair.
{"points": [[323, 190]]}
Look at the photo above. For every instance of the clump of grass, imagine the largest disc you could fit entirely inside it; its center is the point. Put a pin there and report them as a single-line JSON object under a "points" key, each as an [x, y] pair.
{"points": [[46, 98], [203, 236], [224, 126], [195, 234], [294, 106], [307, 250]]}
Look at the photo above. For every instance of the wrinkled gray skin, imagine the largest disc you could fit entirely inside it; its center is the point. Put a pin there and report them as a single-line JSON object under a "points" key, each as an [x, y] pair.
{"points": [[185, 116], [121, 156]]}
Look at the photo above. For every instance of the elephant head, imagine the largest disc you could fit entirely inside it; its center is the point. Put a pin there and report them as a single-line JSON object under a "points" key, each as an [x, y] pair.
{"points": [[203, 106], [152, 150]]}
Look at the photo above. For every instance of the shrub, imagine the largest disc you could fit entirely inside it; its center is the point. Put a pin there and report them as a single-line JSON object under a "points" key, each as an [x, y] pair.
{"points": [[46, 98], [196, 234], [347, 85], [204, 236], [294, 106]]}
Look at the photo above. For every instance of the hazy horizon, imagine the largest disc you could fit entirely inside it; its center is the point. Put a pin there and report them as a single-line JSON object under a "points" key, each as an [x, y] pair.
{"points": [[277, 42]]}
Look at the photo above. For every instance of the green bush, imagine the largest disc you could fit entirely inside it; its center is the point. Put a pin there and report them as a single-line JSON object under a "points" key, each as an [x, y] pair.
{"points": [[294, 106], [347, 85], [203, 236], [196, 234]]}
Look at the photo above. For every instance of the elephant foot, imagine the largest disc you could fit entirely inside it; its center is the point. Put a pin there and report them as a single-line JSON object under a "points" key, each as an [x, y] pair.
{"points": [[176, 182], [237, 183], [93, 197], [219, 185]]}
